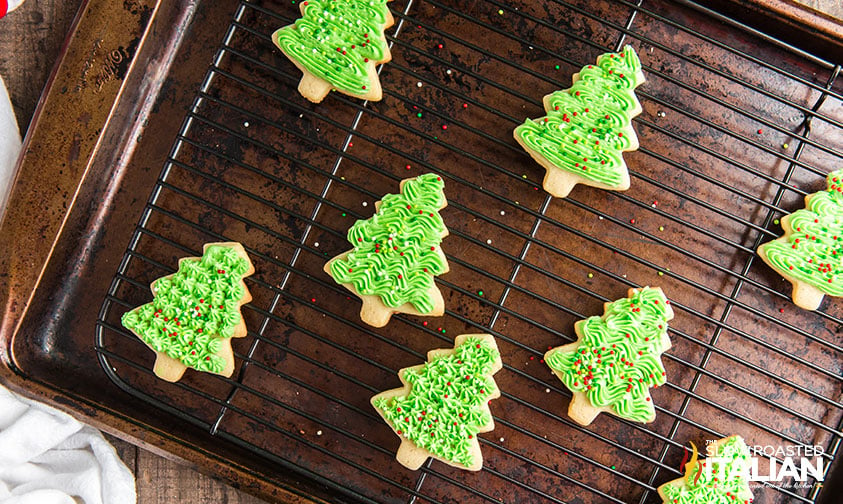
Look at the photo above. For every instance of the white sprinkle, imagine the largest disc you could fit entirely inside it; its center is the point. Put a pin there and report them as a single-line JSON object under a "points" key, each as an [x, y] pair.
{"points": [[489, 241], [501, 440], [365, 204], [301, 115], [448, 71], [246, 124], [600, 217], [547, 391], [316, 244], [319, 433], [530, 48], [503, 213], [419, 84]]}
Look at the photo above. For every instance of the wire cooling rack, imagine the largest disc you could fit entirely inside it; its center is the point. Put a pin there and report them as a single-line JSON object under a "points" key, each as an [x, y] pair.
{"points": [[737, 127]]}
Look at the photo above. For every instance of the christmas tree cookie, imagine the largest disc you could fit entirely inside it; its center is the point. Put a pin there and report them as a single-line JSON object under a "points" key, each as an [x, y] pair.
{"points": [[588, 126], [616, 358], [444, 404], [810, 254], [195, 312], [396, 253], [719, 479], [337, 44]]}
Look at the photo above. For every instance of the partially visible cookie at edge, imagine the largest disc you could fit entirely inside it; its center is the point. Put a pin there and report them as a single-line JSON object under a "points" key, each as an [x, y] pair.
{"points": [[810, 253]]}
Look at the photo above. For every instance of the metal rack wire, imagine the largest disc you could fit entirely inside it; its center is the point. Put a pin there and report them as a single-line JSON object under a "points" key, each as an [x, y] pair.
{"points": [[285, 201]]}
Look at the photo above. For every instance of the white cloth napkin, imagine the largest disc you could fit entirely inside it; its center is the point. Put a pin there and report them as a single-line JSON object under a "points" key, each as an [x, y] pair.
{"points": [[47, 457], [9, 145]]}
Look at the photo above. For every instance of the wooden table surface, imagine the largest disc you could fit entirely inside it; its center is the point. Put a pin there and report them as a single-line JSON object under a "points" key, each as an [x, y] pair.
{"points": [[30, 41]]}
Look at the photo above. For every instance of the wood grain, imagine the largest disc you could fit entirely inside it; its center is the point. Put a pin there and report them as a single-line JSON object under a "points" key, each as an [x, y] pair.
{"points": [[162, 481]]}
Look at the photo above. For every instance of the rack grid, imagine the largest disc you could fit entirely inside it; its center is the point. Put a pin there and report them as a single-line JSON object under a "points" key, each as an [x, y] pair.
{"points": [[257, 164]]}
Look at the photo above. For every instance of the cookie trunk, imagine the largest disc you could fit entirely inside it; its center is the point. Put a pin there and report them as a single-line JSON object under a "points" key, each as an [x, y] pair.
{"points": [[581, 410], [807, 296], [557, 182], [314, 88], [411, 456], [374, 312], [168, 369]]}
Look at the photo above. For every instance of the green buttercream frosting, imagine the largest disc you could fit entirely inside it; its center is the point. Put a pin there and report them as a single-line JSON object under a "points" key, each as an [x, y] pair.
{"points": [[444, 409], [336, 40], [588, 125], [725, 482], [396, 252], [813, 251], [193, 309], [618, 356]]}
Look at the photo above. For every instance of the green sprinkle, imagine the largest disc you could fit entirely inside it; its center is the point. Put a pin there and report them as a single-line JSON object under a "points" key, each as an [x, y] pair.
{"points": [[500, 12], [613, 467], [556, 67], [479, 293], [343, 214], [776, 222], [419, 114]]}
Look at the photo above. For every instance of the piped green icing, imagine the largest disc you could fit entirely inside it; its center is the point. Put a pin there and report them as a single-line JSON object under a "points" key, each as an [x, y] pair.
{"points": [[724, 482], [617, 358], [396, 252], [337, 39], [813, 251], [193, 309], [446, 406], [588, 125]]}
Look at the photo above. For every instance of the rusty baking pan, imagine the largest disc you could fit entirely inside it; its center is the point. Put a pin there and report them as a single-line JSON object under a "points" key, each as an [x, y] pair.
{"points": [[168, 125]]}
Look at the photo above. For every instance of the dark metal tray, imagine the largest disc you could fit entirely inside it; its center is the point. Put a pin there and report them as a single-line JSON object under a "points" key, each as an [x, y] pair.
{"points": [[162, 153]]}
